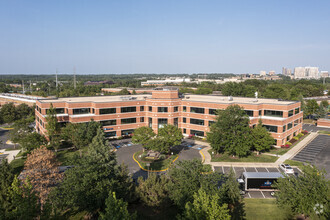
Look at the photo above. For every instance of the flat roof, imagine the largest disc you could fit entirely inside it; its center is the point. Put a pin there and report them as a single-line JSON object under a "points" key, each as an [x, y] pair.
{"points": [[255, 175], [235, 100], [100, 99]]}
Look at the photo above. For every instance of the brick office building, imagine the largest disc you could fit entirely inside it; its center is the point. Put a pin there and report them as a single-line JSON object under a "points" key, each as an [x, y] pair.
{"points": [[120, 115]]}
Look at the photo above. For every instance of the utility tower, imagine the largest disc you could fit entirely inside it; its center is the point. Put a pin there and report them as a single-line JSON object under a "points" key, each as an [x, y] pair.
{"points": [[23, 86], [74, 77], [56, 80]]}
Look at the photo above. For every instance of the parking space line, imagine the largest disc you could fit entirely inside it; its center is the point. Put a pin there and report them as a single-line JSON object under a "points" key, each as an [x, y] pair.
{"points": [[244, 169], [223, 170], [234, 169], [267, 169], [249, 195], [256, 169], [278, 170], [263, 195]]}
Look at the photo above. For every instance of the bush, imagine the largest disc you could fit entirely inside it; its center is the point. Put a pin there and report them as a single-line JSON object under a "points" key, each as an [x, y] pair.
{"points": [[304, 132], [300, 135], [285, 146], [292, 140], [296, 138], [162, 157], [144, 154], [288, 143]]}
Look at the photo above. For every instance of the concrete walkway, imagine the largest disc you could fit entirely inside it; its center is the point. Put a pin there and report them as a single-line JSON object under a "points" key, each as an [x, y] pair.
{"points": [[288, 155], [11, 154]]}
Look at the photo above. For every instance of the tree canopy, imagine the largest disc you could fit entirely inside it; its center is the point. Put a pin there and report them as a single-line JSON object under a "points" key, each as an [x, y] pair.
{"points": [[262, 139]]}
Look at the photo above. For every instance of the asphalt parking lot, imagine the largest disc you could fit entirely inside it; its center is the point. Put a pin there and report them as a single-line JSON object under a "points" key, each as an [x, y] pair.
{"points": [[238, 173], [313, 128]]}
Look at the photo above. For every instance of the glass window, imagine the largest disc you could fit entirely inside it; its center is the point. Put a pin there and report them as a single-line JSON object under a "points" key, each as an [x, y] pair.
{"points": [[176, 109], [260, 112], [150, 122], [128, 109], [184, 120], [196, 121], [57, 110], [128, 120], [296, 122], [273, 113], [108, 122], [162, 122], [110, 134], [141, 108], [176, 122], [271, 128], [197, 110], [212, 111], [184, 108], [79, 111], [127, 132], [249, 112], [197, 133], [289, 126], [162, 109], [211, 122], [290, 113], [296, 111], [150, 108], [184, 131], [104, 111], [142, 119], [284, 128]]}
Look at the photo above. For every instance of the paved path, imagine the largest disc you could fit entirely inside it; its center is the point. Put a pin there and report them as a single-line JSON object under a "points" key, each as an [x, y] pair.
{"points": [[9, 154]]}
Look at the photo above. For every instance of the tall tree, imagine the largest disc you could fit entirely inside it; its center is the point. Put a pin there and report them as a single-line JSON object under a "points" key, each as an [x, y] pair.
{"points": [[52, 126], [42, 169], [205, 206], [6, 179], [116, 209], [311, 107], [143, 135], [262, 139], [23, 111], [153, 191], [306, 193], [231, 132], [8, 112], [171, 135]]}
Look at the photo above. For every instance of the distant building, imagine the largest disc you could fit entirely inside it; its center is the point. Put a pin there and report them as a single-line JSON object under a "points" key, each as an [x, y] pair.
{"points": [[272, 73], [306, 72], [324, 74], [93, 83], [15, 85], [286, 71], [162, 82], [130, 90], [312, 72]]}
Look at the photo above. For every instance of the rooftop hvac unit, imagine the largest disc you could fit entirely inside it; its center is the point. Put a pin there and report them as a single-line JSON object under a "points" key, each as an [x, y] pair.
{"points": [[230, 98]]}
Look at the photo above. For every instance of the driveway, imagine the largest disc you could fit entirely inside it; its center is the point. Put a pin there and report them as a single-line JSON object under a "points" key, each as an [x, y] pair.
{"points": [[311, 128], [4, 137]]}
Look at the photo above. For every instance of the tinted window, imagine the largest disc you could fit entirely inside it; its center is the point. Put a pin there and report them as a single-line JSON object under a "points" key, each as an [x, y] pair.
{"points": [[104, 111]]}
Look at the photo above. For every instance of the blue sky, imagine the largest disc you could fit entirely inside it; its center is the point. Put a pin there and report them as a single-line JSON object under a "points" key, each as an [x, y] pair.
{"points": [[154, 36]]}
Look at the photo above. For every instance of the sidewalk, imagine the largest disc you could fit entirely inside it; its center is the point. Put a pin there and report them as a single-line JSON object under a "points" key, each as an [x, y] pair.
{"points": [[288, 155], [11, 154]]}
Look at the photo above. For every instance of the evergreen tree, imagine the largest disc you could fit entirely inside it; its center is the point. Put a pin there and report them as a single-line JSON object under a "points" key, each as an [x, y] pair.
{"points": [[53, 127], [262, 139], [6, 179]]}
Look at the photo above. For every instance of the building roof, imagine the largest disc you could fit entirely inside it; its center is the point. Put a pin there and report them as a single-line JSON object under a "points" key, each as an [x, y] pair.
{"points": [[235, 100], [255, 175]]}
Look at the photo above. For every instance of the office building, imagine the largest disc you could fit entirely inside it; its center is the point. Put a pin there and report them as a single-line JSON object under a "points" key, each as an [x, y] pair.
{"points": [[193, 114]]}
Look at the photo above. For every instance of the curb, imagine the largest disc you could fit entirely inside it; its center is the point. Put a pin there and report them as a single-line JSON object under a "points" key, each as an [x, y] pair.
{"points": [[203, 156], [154, 171]]}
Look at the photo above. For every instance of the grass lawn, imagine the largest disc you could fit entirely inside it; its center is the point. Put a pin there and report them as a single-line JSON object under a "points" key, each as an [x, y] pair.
{"points": [[251, 158], [308, 121], [279, 151], [155, 165], [264, 209], [324, 132], [294, 163]]}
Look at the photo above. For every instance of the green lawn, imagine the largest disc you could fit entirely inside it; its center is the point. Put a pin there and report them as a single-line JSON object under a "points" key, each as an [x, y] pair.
{"points": [[155, 165], [256, 209], [324, 132], [279, 151], [294, 163], [251, 158]]}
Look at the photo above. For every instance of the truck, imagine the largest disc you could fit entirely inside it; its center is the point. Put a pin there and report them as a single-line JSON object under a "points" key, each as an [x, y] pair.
{"points": [[253, 181]]}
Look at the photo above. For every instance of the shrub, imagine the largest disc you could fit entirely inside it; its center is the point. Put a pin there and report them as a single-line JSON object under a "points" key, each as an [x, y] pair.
{"points": [[296, 138], [288, 143], [292, 140], [300, 135], [285, 146], [304, 132], [144, 154], [162, 157]]}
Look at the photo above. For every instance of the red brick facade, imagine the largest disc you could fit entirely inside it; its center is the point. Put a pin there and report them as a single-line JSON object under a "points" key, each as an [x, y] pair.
{"points": [[190, 113]]}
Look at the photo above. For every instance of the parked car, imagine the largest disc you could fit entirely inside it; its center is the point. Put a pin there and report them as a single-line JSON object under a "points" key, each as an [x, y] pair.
{"points": [[286, 168]]}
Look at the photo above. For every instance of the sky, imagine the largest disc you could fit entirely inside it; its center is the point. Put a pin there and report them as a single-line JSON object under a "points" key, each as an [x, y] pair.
{"points": [[155, 36]]}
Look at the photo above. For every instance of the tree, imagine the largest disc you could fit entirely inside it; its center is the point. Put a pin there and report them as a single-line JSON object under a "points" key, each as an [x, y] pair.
{"points": [[32, 141], [158, 144], [153, 190], [8, 112], [323, 109], [262, 139], [143, 135], [52, 126], [324, 103], [276, 91], [23, 111], [87, 184], [305, 193], [116, 209], [42, 169], [21, 129], [231, 132], [170, 135], [205, 206], [311, 107], [6, 179]]}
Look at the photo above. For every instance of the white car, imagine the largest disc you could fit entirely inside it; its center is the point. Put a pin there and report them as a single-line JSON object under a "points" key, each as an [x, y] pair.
{"points": [[286, 168]]}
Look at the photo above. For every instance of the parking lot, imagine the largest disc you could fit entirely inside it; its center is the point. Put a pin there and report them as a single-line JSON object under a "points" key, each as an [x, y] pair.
{"points": [[313, 128], [238, 173]]}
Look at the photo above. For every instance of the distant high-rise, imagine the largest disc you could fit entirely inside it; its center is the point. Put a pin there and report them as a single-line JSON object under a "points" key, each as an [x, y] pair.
{"points": [[312, 72], [324, 74], [306, 72], [286, 71]]}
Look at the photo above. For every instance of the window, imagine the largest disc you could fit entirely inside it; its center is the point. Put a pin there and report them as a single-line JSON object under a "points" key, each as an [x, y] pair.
{"points": [[197, 110], [296, 122], [128, 109], [108, 122], [290, 113], [184, 109], [271, 128], [289, 126], [150, 108], [284, 128], [196, 121], [110, 134], [142, 119], [211, 122], [104, 111], [184, 131], [273, 113], [176, 122], [212, 111], [57, 110], [79, 111], [162, 122], [176, 109], [249, 113], [296, 111], [128, 120], [260, 112], [184, 120], [197, 133], [127, 132], [150, 122], [162, 109]]}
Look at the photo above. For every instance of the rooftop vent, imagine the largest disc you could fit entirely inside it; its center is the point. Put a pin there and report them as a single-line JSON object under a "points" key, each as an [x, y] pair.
{"points": [[230, 98], [126, 98], [187, 97]]}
